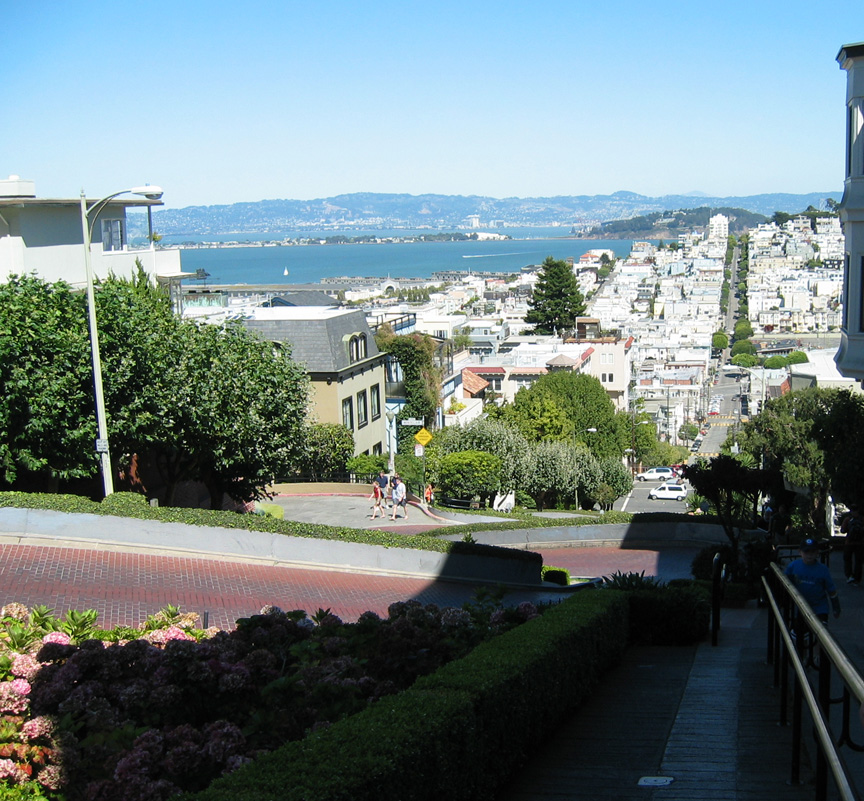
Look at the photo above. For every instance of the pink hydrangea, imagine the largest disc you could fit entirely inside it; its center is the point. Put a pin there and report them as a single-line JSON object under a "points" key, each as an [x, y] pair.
{"points": [[11, 701], [38, 727], [25, 666], [12, 771], [51, 776], [20, 686], [57, 637], [16, 611], [161, 636]]}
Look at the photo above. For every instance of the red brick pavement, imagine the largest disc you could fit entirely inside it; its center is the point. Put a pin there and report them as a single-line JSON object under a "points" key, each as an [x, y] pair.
{"points": [[125, 587]]}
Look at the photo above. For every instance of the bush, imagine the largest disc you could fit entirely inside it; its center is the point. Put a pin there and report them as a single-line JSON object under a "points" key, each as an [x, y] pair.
{"points": [[555, 575], [669, 616], [459, 733], [470, 473]]}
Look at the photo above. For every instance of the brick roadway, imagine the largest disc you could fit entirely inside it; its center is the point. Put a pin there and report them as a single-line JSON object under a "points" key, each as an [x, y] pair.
{"points": [[125, 587]]}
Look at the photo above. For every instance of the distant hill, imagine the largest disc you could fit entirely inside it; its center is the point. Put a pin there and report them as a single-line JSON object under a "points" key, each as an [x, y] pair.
{"points": [[371, 210], [668, 224]]}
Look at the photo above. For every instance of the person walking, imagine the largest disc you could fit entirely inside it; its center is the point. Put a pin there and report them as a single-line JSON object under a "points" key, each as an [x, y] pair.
{"points": [[813, 580], [377, 497], [383, 482], [853, 548], [399, 497]]}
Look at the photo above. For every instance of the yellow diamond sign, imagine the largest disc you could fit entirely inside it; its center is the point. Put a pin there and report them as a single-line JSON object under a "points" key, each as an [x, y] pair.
{"points": [[423, 437]]}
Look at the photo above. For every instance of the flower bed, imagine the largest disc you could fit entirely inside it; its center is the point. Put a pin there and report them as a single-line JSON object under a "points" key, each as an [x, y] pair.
{"points": [[146, 713]]}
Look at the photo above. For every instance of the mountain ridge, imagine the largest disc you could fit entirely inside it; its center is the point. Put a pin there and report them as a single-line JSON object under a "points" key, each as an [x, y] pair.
{"points": [[402, 210]]}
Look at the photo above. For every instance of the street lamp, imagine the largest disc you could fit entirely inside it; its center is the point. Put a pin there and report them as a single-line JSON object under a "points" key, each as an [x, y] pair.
{"points": [[391, 416], [88, 220]]}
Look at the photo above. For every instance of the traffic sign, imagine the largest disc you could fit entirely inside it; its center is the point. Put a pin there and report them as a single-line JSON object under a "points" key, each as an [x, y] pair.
{"points": [[412, 421], [423, 436], [419, 450]]}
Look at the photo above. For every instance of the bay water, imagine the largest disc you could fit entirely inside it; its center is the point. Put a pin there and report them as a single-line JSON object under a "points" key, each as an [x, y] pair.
{"points": [[250, 262]]}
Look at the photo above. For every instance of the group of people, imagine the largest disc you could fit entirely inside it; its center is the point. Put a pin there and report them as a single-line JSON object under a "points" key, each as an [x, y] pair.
{"points": [[398, 496]]}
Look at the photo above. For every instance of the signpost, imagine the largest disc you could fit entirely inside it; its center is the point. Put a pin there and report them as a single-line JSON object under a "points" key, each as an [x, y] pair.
{"points": [[423, 438]]}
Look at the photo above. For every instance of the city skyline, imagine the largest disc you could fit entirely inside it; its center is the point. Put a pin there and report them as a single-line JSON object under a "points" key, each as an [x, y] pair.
{"points": [[218, 105]]}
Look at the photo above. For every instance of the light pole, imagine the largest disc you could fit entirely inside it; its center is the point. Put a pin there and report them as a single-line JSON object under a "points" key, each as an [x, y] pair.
{"points": [[391, 416], [88, 220]]}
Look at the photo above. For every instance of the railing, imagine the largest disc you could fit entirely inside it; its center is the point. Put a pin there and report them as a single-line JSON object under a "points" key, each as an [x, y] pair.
{"points": [[797, 638]]}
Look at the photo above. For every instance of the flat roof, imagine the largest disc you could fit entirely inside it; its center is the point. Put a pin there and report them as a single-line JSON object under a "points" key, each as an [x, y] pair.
{"points": [[51, 201]]}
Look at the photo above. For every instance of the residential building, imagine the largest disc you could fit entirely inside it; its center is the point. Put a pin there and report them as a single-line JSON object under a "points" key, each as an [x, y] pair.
{"points": [[44, 236], [850, 356]]}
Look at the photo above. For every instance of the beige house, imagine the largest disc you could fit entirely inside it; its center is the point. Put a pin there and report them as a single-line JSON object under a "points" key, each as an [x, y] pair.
{"points": [[345, 367]]}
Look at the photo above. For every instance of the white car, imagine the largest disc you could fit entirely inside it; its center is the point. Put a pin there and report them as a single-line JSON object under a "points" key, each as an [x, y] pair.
{"points": [[656, 474], [668, 492]]}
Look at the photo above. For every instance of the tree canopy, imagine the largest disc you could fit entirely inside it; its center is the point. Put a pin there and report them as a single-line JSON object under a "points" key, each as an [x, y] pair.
{"points": [[557, 301], [184, 402]]}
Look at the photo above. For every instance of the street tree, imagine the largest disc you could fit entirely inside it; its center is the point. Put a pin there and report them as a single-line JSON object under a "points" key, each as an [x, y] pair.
{"points": [[557, 300], [720, 340]]}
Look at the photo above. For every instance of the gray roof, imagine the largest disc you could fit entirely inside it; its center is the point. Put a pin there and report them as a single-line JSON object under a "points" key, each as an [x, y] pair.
{"points": [[305, 298], [319, 340]]}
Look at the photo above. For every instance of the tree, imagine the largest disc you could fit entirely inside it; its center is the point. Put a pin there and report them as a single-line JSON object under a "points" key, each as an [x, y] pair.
{"points": [[743, 346], [470, 473], [743, 330], [329, 447], [720, 340], [775, 362], [557, 301], [567, 405], [797, 357], [498, 437], [745, 360], [183, 402], [47, 423], [688, 431]]}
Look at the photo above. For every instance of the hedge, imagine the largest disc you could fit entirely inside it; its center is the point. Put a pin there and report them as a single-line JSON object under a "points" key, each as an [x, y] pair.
{"points": [[459, 733]]}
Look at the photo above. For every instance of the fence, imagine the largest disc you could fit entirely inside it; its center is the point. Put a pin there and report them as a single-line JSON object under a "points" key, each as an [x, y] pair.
{"points": [[798, 639]]}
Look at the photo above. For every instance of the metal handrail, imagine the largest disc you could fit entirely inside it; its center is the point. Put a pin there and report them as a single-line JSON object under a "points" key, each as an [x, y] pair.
{"points": [[831, 655]]}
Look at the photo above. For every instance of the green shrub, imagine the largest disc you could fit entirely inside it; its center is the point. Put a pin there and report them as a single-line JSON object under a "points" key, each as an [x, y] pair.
{"points": [[669, 616], [459, 733], [702, 566], [467, 474], [555, 575]]}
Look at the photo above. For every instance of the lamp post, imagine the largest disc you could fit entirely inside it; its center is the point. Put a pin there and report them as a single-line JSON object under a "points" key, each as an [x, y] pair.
{"points": [[88, 220], [391, 416]]}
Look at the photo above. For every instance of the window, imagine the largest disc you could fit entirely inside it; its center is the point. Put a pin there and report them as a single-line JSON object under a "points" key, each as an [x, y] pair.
{"points": [[357, 347], [112, 235], [348, 414], [362, 410], [377, 449], [375, 393]]}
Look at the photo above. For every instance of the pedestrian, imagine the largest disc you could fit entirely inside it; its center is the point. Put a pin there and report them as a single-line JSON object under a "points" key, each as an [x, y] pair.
{"points": [[813, 580], [429, 494], [377, 497], [780, 526], [399, 498], [853, 548]]}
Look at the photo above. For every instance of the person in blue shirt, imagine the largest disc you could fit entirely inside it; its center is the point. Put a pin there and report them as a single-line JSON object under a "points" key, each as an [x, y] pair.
{"points": [[813, 580]]}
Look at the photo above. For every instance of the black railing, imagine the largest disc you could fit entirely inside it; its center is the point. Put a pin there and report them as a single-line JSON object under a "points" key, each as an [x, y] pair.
{"points": [[798, 639]]}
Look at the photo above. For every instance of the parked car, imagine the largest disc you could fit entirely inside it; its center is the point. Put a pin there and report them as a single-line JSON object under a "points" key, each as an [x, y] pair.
{"points": [[668, 492], [656, 474]]}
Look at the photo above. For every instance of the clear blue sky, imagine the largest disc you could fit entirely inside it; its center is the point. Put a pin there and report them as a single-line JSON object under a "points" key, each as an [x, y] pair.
{"points": [[223, 102]]}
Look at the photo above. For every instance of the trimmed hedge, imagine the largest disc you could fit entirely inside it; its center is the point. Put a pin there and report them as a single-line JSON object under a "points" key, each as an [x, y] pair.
{"points": [[459, 733], [129, 504]]}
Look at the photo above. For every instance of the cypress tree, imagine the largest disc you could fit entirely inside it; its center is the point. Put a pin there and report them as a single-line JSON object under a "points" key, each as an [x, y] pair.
{"points": [[557, 301]]}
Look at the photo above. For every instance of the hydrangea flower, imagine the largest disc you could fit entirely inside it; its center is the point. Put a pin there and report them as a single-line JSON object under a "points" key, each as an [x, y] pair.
{"points": [[57, 637], [25, 666], [16, 611], [38, 727], [20, 686], [11, 701], [161, 636]]}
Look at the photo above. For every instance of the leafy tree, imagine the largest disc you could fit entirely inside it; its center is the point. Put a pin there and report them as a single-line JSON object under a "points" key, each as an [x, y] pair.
{"points": [[743, 329], [743, 346], [745, 360], [688, 431], [565, 405], [470, 473], [183, 402], [775, 362], [329, 446], [47, 423], [366, 466], [797, 357], [557, 301], [421, 376], [720, 340], [732, 490], [616, 481], [498, 437]]}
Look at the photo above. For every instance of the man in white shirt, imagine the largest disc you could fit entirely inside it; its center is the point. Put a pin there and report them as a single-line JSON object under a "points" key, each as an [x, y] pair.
{"points": [[399, 497]]}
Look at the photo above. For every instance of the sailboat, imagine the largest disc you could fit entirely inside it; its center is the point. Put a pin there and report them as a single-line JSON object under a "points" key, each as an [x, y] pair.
{"points": [[286, 271]]}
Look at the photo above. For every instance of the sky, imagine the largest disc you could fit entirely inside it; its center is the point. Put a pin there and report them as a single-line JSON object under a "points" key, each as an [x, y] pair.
{"points": [[220, 102]]}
